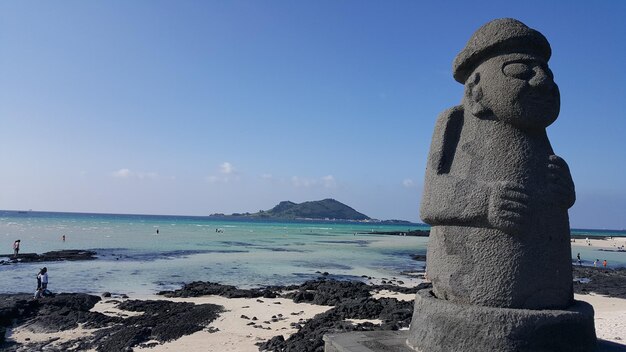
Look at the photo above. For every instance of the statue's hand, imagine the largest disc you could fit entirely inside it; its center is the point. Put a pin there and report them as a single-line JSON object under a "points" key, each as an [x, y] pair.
{"points": [[561, 186], [508, 205]]}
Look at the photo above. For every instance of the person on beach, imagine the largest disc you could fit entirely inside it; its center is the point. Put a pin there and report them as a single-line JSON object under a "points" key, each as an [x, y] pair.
{"points": [[605, 263], [42, 282], [578, 257], [595, 263], [16, 248], [38, 290], [63, 238]]}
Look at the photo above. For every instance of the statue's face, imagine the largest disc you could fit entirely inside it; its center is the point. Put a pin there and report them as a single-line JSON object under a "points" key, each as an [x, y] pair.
{"points": [[519, 89]]}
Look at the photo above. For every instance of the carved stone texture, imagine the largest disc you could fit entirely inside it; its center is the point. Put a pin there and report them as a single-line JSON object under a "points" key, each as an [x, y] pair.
{"points": [[495, 193]]}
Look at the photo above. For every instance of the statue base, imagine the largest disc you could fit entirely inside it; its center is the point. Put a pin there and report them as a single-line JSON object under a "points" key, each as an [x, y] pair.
{"points": [[396, 341], [443, 326], [367, 341]]}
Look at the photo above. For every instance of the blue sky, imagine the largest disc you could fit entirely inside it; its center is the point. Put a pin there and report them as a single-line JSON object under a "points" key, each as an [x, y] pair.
{"points": [[196, 107]]}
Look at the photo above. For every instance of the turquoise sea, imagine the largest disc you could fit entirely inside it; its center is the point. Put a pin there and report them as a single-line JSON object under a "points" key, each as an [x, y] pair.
{"points": [[133, 258]]}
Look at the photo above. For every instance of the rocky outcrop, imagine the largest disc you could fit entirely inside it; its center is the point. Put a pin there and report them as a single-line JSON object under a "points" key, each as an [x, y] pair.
{"points": [[352, 300], [161, 321], [205, 288], [165, 321], [414, 233], [601, 281], [53, 256]]}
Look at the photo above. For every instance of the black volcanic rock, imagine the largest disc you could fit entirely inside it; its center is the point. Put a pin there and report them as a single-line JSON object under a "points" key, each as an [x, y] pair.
{"points": [[414, 233], [352, 300], [61, 312], [161, 321], [201, 288], [607, 282], [165, 321], [419, 257], [53, 256], [328, 293]]}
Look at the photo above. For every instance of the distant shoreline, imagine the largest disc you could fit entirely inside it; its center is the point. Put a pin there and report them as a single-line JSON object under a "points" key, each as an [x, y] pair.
{"points": [[579, 236], [233, 218], [21, 213], [413, 233], [426, 233]]}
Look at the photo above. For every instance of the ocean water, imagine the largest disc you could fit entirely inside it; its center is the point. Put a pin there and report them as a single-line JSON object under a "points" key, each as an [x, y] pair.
{"points": [[133, 258]]}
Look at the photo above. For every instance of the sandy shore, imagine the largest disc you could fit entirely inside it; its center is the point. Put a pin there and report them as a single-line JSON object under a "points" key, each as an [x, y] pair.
{"points": [[245, 322], [614, 243], [610, 316], [236, 329], [234, 332]]}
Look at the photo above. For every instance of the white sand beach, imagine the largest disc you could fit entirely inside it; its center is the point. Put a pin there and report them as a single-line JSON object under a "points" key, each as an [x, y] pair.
{"points": [[610, 316], [233, 333], [228, 333], [613, 243]]}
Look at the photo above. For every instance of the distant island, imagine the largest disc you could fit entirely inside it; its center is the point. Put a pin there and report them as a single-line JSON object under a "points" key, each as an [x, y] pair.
{"points": [[326, 209]]}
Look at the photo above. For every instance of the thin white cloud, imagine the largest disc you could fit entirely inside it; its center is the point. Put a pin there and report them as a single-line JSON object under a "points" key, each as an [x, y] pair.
{"points": [[301, 182], [329, 181], [126, 173], [212, 179], [408, 183], [307, 182], [147, 175], [122, 173], [226, 173], [267, 176], [227, 168]]}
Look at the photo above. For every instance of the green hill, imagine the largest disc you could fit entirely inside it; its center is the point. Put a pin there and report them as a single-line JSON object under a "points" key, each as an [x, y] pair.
{"points": [[320, 209]]}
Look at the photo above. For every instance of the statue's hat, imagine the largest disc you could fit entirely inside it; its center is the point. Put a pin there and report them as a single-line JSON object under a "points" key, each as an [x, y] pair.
{"points": [[501, 36]]}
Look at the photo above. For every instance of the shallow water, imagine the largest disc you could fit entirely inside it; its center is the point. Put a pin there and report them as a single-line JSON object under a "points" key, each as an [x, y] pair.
{"points": [[133, 258]]}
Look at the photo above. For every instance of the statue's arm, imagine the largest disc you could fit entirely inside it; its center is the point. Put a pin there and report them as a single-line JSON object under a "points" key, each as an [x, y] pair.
{"points": [[456, 201], [561, 185], [448, 199]]}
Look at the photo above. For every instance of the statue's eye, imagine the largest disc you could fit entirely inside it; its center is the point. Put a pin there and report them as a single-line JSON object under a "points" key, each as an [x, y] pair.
{"points": [[518, 70]]}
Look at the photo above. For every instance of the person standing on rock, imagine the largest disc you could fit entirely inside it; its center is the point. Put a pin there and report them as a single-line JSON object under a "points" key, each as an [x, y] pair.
{"points": [[16, 248], [42, 282], [38, 291]]}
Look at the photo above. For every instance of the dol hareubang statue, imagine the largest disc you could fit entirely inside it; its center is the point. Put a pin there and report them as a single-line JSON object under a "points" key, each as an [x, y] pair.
{"points": [[495, 193], [497, 196]]}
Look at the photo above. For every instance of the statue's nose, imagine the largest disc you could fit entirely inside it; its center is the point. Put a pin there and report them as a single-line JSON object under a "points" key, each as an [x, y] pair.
{"points": [[541, 78]]}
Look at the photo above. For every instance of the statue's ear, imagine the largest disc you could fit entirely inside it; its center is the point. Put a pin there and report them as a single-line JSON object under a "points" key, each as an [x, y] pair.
{"points": [[474, 95]]}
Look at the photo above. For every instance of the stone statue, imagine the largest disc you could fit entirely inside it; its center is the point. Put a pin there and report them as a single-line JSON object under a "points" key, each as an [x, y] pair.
{"points": [[495, 193], [497, 197]]}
